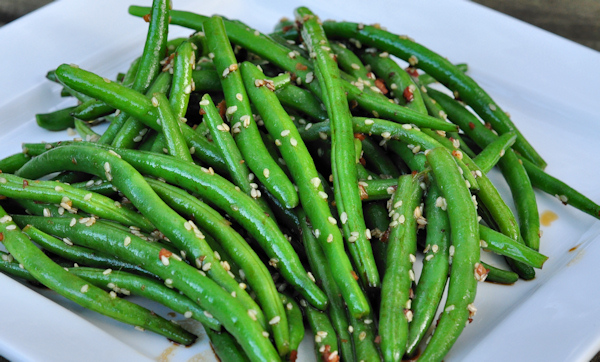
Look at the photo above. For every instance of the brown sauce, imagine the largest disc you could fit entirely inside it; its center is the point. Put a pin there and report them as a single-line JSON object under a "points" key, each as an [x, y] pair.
{"points": [[548, 217]]}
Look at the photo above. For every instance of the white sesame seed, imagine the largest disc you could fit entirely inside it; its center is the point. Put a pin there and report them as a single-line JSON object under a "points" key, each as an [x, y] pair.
{"points": [[275, 320], [323, 195], [344, 217], [127, 241], [252, 313], [266, 172], [311, 277], [449, 308], [204, 102], [332, 220], [362, 335], [330, 238], [85, 288], [231, 110]]}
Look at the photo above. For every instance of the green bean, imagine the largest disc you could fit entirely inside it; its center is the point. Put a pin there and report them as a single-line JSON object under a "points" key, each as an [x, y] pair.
{"points": [[425, 79], [109, 165], [304, 173], [85, 132], [491, 154], [149, 68], [301, 100], [161, 84], [343, 167], [254, 270], [395, 311], [377, 159], [9, 266], [324, 275], [364, 336], [225, 346], [137, 105], [170, 128], [80, 254], [565, 193], [201, 180], [401, 85], [466, 269], [183, 62], [244, 127], [377, 219], [177, 274], [206, 80], [351, 64], [503, 245], [295, 322], [126, 283], [416, 138], [442, 70], [512, 169], [14, 162], [326, 347], [266, 48], [69, 198], [219, 130], [378, 189], [500, 276], [56, 278], [57, 120], [432, 282]]}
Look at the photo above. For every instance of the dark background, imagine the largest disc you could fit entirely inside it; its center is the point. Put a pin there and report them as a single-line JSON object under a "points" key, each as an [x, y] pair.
{"points": [[578, 20]]}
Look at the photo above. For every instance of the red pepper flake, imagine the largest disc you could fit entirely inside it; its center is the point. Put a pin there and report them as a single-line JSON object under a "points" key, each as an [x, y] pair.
{"points": [[74, 161], [385, 236], [1, 237], [300, 66], [147, 18], [363, 192], [287, 28], [377, 339], [471, 125], [488, 125], [362, 161], [412, 72], [354, 275], [25, 183], [360, 136], [293, 355], [222, 108], [353, 104], [379, 83], [327, 355], [202, 113], [408, 94], [164, 252], [457, 154], [414, 173]]}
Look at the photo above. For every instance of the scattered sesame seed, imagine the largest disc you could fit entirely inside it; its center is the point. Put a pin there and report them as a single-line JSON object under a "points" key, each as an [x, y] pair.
{"points": [[85, 288]]}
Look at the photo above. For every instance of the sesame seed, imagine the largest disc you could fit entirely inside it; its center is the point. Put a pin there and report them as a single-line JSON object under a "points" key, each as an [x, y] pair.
{"points": [[411, 275], [492, 107], [330, 238], [275, 320], [451, 250], [127, 241], [449, 308], [266, 172], [85, 288], [252, 313], [311, 277], [344, 218], [265, 334], [401, 219], [350, 329], [412, 258], [332, 220], [204, 102], [323, 195], [362, 335], [390, 190]]}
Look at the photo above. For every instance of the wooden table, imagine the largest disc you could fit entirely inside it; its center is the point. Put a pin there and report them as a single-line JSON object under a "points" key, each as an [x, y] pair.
{"points": [[577, 20]]}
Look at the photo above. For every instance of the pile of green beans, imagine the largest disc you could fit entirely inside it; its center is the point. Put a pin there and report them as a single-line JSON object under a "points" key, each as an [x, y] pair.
{"points": [[263, 183]]}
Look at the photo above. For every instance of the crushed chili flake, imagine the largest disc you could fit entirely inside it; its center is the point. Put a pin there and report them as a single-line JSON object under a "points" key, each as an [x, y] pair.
{"points": [[379, 83], [412, 72], [164, 252], [360, 136], [408, 94], [363, 193], [25, 183], [147, 18], [222, 108], [471, 125], [300, 66], [354, 275]]}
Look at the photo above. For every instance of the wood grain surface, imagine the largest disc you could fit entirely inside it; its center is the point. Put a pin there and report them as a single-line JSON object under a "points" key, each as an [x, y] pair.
{"points": [[577, 20]]}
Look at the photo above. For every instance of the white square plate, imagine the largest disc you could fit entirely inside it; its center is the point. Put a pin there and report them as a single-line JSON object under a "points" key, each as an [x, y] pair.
{"points": [[548, 84]]}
